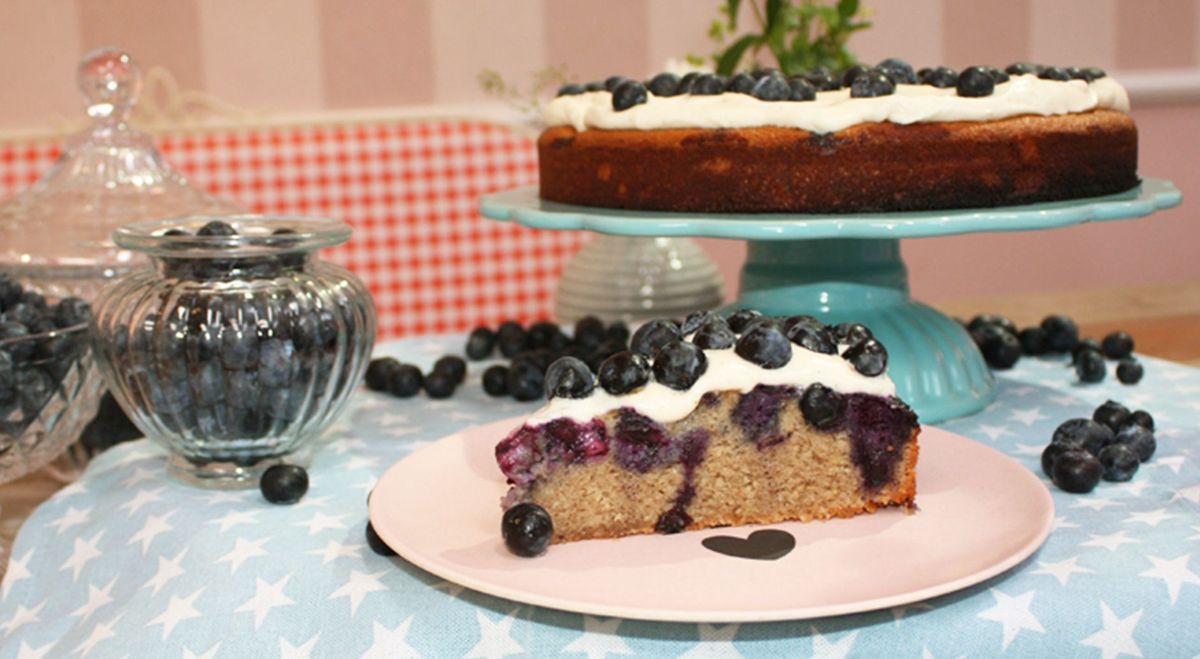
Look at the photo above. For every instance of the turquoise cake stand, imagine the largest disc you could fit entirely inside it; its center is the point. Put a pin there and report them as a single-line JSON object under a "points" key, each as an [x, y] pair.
{"points": [[848, 268]]}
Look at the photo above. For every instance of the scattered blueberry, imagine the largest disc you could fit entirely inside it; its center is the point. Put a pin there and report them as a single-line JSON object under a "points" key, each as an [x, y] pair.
{"points": [[571, 89], [71, 311], [545, 334], [1033, 341], [1001, 348], [898, 71], [217, 228], [872, 84], [1085, 344], [1120, 462], [1089, 366], [1050, 455], [741, 83], [851, 333], [480, 343], [1054, 73], [868, 357], [527, 529], [1086, 434], [1140, 439], [405, 381], [511, 338], [569, 377], [612, 82], [772, 88], [628, 94], [526, 380], [1117, 345], [1111, 414], [653, 335], [664, 84], [975, 82], [707, 84], [1061, 333], [816, 338], [589, 331], [495, 381], [376, 543], [1141, 418], [1077, 471], [283, 483], [714, 335], [942, 77], [985, 319], [765, 345], [10, 292], [617, 332], [739, 319], [453, 366], [822, 407], [623, 373], [679, 364], [379, 373]]}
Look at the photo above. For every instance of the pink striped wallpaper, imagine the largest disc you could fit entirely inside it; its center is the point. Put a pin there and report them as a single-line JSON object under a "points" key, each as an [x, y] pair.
{"points": [[300, 55]]}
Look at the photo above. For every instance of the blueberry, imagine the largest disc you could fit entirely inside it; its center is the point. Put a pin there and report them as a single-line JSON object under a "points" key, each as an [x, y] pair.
{"points": [[495, 381], [985, 319], [1094, 73], [1117, 345], [898, 71], [284, 483], [480, 343], [10, 292], [801, 90], [714, 335], [379, 371], [34, 299], [998, 75], [571, 89], [569, 377], [1111, 414], [975, 82], [742, 83], [594, 86], [1061, 333], [71, 311], [707, 84], [822, 407], [942, 77], [685, 83], [512, 339], [765, 345], [527, 529], [1033, 341], [275, 358], [851, 73], [664, 84], [868, 357], [589, 331], [545, 334], [1140, 439], [628, 94], [1085, 344], [541, 358], [1077, 471], [526, 381], [376, 543], [851, 333], [34, 389], [623, 373], [1086, 434], [1050, 456], [1141, 418], [1054, 73], [772, 88], [239, 347], [452, 365], [1089, 366], [8, 377], [216, 228], [405, 381], [1000, 348], [439, 384], [814, 337], [617, 332], [21, 351], [872, 84], [653, 335], [612, 82], [821, 79], [1120, 462], [1022, 68], [694, 320], [22, 312], [679, 364], [740, 319]]}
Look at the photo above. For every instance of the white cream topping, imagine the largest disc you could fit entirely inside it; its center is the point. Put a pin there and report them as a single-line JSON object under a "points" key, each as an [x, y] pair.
{"points": [[726, 372], [835, 110]]}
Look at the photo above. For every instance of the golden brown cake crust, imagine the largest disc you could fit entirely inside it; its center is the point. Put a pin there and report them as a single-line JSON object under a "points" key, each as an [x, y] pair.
{"points": [[878, 167]]}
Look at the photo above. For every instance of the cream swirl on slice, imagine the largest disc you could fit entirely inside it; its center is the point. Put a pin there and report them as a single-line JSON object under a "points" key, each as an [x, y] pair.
{"points": [[833, 111]]}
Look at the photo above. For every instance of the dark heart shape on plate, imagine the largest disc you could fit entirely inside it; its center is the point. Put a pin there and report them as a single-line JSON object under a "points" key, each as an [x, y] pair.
{"points": [[763, 545]]}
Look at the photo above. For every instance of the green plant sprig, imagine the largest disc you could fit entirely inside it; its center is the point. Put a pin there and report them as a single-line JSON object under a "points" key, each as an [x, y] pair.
{"points": [[799, 34]]}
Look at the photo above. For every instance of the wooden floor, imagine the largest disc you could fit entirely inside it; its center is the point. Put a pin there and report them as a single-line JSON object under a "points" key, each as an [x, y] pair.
{"points": [[1164, 321]]}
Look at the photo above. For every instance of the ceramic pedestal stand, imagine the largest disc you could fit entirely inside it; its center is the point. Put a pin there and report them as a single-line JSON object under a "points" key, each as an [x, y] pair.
{"points": [[848, 268]]}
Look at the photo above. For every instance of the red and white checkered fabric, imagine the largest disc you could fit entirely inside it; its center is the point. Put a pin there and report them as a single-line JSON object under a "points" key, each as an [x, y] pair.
{"points": [[409, 189]]}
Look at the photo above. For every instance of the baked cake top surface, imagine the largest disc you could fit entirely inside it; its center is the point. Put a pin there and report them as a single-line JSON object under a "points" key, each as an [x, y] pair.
{"points": [[835, 110]]}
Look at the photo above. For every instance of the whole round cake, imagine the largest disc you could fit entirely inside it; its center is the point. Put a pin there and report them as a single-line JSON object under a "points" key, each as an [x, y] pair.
{"points": [[870, 140]]}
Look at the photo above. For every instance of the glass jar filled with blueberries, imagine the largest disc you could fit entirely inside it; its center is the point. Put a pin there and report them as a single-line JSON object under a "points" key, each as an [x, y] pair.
{"points": [[240, 346]]}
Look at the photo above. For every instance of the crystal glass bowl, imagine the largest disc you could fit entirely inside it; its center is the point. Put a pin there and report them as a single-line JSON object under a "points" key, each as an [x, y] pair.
{"points": [[236, 350], [49, 391]]}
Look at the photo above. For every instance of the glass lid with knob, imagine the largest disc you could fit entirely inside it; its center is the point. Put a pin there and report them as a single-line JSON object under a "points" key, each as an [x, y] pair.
{"points": [[57, 234]]}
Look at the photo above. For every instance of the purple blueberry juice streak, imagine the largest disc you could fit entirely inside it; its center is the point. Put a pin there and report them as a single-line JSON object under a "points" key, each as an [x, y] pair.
{"points": [[641, 442], [757, 412], [880, 428], [692, 449], [533, 449]]}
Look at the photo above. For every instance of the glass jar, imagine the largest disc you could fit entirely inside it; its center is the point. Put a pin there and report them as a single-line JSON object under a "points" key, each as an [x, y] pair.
{"points": [[234, 351]]}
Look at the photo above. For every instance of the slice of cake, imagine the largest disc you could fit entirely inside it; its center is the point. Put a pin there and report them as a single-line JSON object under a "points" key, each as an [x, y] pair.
{"points": [[753, 420]]}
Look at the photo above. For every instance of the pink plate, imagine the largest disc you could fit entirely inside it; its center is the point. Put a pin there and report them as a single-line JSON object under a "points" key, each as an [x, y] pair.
{"points": [[980, 513]]}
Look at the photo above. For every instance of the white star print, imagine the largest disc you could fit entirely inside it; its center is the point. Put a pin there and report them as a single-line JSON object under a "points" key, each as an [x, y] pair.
{"points": [[210, 653], [1174, 375], [392, 419], [826, 650], [1173, 572], [1030, 449], [1116, 636], [1172, 462], [1197, 536], [993, 432], [1029, 416], [1111, 542], [390, 643], [320, 522], [1094, 503], [1061, 522], [22, 616], [155, 526], [100, 633], [27, 651], [1150, 518], [357, 586], [242, 551], [359, 462], [85, 550], [1023, 391], [1062, 570], [452, 589], [342, 446], [97, 597], [1189, 493], [366, 485], [714, 642], [217, 498], [334, 550], [495, 638], [142, 498], [235, 517], [1133, 488], [72, 517], [302, 651], [140, 475], [310, 502], [267, 596], [167, 570], [1062, 401], [1013, 614], [18, 570], [178, 609], [599, 639], [74, 489]]}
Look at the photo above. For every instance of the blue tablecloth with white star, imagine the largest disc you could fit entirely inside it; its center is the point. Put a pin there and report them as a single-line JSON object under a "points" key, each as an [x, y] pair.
{"points": [[128, 563]]}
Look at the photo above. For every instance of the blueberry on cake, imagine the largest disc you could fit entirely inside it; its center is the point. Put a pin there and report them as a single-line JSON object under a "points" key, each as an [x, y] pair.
{"points": [[886, 138], [715, 422]]}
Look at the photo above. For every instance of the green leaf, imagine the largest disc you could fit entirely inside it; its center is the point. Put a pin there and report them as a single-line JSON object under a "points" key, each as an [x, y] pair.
{"points": [[847, 8], [727, 61], [775, 17], [732, 7]]}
